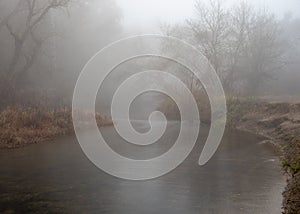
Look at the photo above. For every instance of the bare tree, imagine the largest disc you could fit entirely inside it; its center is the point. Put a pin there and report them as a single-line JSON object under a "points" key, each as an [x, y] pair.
{"points": [[240, 19], [244, 46], [184, 33], [24, 25], [264, 53], [211, 31]]}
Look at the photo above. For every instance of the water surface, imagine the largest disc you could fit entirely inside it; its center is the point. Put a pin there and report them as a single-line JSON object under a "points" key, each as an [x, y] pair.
{"points": [[56, 177]]}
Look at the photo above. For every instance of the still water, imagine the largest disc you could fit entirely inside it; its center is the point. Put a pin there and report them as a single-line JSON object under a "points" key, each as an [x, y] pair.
{"points": [[243, 176]]}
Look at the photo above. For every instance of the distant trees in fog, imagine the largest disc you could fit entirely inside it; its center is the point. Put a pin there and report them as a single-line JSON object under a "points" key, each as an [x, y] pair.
{"points": [[245, 46], [45, 43], [24, 25]]}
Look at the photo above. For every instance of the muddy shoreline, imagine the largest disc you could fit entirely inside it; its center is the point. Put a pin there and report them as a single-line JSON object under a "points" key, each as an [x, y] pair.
{"points": [[280, 124]]}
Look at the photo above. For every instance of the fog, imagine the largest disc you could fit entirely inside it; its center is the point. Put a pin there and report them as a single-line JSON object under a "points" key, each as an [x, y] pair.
{"points": [[205, 95], [45, 56], [146, 15]]}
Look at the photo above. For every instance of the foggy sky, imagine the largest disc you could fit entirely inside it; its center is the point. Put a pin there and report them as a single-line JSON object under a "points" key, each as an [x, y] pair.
{"points": [[147, 14]]}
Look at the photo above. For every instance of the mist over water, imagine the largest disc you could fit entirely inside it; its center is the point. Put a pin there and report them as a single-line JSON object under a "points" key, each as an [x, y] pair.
{"points": [[241, 177], [209, 64]]}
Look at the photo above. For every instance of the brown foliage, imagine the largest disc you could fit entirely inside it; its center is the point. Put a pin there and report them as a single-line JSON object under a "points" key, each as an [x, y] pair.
{"points": [[20, 127]]}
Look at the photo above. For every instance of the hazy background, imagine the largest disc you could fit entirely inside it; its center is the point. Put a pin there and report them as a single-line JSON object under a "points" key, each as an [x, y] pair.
{"points": [[147, 15], [40, 64]]}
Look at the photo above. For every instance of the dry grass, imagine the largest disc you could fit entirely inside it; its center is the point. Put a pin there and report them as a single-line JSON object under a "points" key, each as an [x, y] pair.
{"points": [[20, 127]]}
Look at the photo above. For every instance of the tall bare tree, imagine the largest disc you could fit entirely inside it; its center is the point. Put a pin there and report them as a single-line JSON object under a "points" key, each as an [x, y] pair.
{"points": [[24, 25], [211, 30]]}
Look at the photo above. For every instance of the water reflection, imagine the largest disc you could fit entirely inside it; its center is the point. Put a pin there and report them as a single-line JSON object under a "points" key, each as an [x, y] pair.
{"points": [[57, 177]]}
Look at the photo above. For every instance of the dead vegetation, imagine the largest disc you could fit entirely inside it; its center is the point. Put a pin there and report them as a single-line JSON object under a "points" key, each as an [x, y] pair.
{"points": [[20, 127], [291, 165]]}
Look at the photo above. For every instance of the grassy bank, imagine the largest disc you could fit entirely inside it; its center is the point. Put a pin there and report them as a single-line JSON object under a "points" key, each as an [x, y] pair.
{"points": [[20, 127]]}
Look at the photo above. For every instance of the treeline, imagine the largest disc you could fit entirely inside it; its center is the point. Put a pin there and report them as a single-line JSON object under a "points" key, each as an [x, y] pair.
{"points": [[248, 48]]}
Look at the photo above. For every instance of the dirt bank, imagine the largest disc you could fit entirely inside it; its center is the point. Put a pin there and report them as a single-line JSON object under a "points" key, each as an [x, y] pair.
{"points": [[280, 122], [20, 127]]}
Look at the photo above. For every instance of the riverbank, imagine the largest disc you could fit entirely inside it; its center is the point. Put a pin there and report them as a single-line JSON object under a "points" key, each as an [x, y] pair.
{"points": [[23, 126], [280, 123]]}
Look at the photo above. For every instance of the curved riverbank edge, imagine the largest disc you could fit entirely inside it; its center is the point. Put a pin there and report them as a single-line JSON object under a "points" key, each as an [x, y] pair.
{"points": [[20, 127], [280, 123]]}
